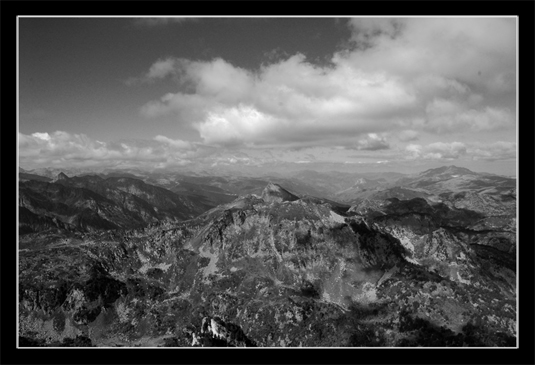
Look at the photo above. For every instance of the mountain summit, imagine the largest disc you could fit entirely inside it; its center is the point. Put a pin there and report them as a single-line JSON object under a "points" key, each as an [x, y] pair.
{"points": [[448, 170], [275, 193], [62, 176]]}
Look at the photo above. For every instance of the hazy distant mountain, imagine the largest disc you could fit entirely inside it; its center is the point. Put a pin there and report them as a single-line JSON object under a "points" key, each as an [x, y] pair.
{"points": [[69, 205], [93, 203], [452, 178], [119, 189], [26, 176]]}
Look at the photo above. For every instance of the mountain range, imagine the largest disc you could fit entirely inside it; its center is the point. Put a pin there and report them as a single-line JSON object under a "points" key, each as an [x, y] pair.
{"points": [[173, 260]]}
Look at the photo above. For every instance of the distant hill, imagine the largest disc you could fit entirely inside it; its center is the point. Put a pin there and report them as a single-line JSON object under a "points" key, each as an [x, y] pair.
{"points": [[93, 203], [452, 178], [27, 176]]}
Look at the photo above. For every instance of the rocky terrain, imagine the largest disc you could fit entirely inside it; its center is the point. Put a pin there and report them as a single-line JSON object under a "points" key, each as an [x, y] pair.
{"points": [[90, 203], [275, 268]]}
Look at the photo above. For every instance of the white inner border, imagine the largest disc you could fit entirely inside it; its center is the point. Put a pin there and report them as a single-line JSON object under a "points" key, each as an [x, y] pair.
{"points": [[271, 16]]}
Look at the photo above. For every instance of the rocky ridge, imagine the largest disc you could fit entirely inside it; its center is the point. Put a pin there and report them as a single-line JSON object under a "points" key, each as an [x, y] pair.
{"points": [[91, 203], [274, 270]]}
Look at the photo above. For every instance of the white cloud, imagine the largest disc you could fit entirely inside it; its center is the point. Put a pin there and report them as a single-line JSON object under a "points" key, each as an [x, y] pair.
{"points": [[178, 144], [466, 151], [493, 151], [450, 116], [218, 79], [369, 32], [437, 150], [408, 135], [161, 68], [235, 125], [77, 150], [405, 76], [43, 136], [290, 101], [372, 142], [474, 51]]}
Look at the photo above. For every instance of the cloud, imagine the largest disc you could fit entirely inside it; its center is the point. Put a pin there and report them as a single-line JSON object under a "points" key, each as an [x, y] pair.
{"points": [[449, 116], [289, 101], [235, 125], [77, 150], [494, 151], [457, 150], [408, 135], [438, 75], [158, 70], [369, 32], [480, 52], [161, 69], [372, 142], [437, 150], [176, 144]]}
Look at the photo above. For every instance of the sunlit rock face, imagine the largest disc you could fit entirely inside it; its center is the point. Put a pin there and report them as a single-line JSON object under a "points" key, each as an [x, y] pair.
{"points": [[273, 270], [275, 193]]}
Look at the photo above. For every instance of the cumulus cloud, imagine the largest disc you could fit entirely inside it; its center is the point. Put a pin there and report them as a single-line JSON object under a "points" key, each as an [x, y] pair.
{"points": [[438, 150], [494, 151], [438, 75], [234, 125], [449, 116], [291, 100], [411, 74], [458, 150], [177, 144], [480, 52], [77, 150], [368, 32], [161, 69], [372, 142]]}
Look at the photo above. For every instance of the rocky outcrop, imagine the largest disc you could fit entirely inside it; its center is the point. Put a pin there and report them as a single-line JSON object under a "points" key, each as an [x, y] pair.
{"points": [[61, 176], [275, 193], [215, 332]]}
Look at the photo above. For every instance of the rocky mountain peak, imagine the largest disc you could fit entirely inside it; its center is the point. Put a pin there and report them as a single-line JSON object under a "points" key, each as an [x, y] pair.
{"points": [[276, 193], [61, 176]]}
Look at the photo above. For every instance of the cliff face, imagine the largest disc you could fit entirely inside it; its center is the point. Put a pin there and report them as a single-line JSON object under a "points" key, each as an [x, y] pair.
{"points": [[274, 270]]}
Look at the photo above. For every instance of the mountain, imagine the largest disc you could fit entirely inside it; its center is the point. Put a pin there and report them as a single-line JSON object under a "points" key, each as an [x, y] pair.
{"points": [[30, 222], [119, 189], [66, 204], [276, 269], [345, 187], [91, 202], [491, 195], [384, 193], [448, 171], [61, 177], [223, 189], [452, 178], [26, 176], [275, 193]]}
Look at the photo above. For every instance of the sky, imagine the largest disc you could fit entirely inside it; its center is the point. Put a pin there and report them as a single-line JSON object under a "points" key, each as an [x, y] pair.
{"points": [[364, 93]]}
